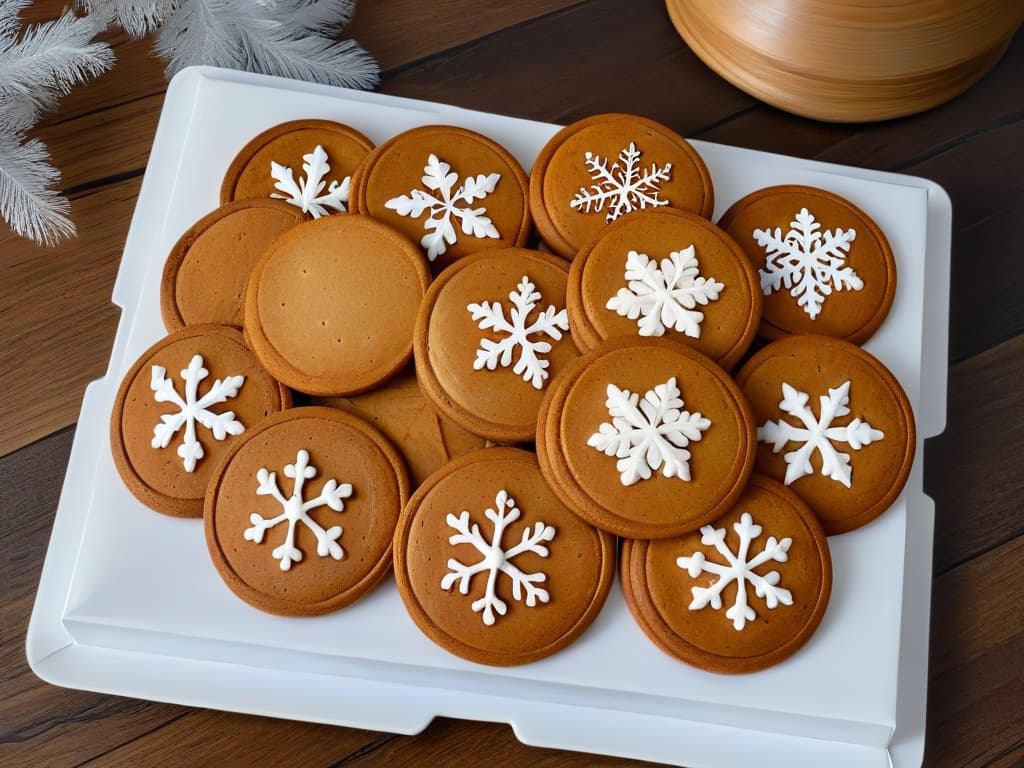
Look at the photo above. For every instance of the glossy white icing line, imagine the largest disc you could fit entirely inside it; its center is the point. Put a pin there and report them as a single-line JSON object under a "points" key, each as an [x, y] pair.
{"points": [[650, 433], [516, 331], [193, 409], [444, 205], [738, 567], [308, 192], [817, 434], [296, 510], [665, 295], [623, 187], [495, 559], [807, 262]]}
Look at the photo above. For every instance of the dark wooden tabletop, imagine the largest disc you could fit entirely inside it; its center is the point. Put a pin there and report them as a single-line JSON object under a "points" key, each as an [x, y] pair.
{"points": [[551, 60]]}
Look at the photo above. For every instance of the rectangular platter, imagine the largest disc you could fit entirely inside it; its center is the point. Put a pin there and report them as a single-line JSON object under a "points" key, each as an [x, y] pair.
{"points": [[130, 604]]}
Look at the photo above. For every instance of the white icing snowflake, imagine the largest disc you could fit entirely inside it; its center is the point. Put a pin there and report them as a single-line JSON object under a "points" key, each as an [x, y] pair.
{"points": [[817, 434], [306, 193], [296, 510], [517, 332], [739, 569], [624, 187], [193, 409], [443, 204], [665, 296], [495, 559], [649, 434], [807, 263]]}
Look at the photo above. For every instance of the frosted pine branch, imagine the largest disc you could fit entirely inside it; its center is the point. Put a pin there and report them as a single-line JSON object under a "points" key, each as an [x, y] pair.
{"points": [[136, 17], [28, 198]]}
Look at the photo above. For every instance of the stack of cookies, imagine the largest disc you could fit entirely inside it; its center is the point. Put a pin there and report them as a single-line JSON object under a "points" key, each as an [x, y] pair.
{"points": [[373, 361]]}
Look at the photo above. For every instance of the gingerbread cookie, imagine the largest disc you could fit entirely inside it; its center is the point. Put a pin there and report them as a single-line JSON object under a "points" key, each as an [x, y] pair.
{"points": [[307, 163], [451, 190], [833, 424], [742, 593], [493, 567], [426, 439], [598, 169], [331, 305], [670, 273], [205, 276], [646, 438], [491, 333], [300, 514], [179, 409], [825, 267]]}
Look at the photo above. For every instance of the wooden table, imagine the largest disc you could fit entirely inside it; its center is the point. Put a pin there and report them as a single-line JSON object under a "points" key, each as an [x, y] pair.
{"points": [[552, 60]]}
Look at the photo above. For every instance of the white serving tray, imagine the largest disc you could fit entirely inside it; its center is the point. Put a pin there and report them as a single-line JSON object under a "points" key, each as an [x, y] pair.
{"points": [[130, 604]]}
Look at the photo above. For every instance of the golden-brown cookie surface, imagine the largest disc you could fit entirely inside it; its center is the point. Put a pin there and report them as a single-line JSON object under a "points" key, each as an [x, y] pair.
{"points": [[605, 166], [825, 267], [206, 273], [833, 424], [665, 272], [491, 333], [330, 307], [493, 567], [449, 189], [743, 593], [291, 160], [300, 515], [179, 409], [646, 438]]}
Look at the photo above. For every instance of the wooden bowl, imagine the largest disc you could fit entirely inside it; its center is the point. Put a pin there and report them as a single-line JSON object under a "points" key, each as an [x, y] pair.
{"points": [[849, 60]]}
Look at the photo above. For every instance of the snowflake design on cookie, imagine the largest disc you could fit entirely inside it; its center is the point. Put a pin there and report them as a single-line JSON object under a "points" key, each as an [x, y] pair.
{"points": [[296, 510], [516, 332], [193, 409], [807, 262], [817, 434], [665, 296], [737, 567], [307, 192], [624, 187], [649, 434], [444, 205], [495, 559]]}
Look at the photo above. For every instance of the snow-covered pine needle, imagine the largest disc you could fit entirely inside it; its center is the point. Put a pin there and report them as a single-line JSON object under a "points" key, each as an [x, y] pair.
{"points": [[324, 17], [28, 200], [136, 17]]}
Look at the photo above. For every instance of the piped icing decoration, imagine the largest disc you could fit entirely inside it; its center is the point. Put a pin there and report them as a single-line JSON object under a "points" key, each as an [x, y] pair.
{"points": [[307, 192], [193, 409], [443, 205], [494, 559], [737, 567], [296, 510], [665, 296], [624, 187], [817, 434], [516, 331], [807, 262], [650, 433]]}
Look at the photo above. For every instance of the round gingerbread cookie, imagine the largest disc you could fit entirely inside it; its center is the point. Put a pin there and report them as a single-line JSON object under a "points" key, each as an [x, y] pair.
{"points": [[646, 439], [307, 163], [301, 513], [206, 273], [741, 594], [493, 567], [833, 424], [491, 333], [825, 267], [451, 190], [331, 305], [179, 409], [598, 169], [665, 272], [426, 439]]}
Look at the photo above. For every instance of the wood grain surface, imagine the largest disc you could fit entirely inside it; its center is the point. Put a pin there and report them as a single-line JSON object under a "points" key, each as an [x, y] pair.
{"points": [[553, 61]]}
